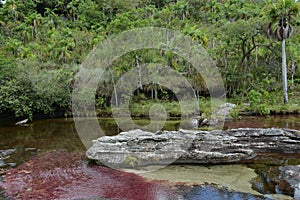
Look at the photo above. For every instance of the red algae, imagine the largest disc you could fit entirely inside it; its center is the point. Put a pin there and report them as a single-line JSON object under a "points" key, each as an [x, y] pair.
{"points": [[62, 175]]}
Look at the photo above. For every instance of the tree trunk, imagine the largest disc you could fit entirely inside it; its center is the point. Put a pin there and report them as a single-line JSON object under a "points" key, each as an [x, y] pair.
{"points": [[115, 89], [155, 92], [139, 73], [152, 91], [284, 73], [35, 28]]}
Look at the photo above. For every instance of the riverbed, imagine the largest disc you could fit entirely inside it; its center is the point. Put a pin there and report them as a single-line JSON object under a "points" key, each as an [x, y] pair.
{"points": [[42, 136]]}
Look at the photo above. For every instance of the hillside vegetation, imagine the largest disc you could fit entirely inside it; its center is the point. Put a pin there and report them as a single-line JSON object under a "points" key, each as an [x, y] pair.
{"points": [[43, 43]]}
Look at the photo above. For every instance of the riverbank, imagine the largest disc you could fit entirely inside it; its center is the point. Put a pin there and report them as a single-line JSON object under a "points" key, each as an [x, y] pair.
{"points": [[141, 109]]}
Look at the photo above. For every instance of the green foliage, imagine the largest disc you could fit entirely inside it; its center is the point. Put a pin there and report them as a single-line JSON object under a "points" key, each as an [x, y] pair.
{"points": [[288, 8], [132, 161], [235, 113], [25, 89], [42, 43], [256, 103]]}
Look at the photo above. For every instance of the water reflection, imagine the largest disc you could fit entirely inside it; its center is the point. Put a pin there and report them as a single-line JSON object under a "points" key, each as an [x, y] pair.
{"points": [[210, 192], [61, 133], [279, 121]]}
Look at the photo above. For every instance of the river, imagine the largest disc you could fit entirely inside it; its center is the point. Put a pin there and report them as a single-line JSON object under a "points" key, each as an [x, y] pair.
{"points": [[47, 135]]}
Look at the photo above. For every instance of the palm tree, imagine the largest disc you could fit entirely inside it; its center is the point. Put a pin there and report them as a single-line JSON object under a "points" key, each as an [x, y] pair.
{"points": [[281, 14]]}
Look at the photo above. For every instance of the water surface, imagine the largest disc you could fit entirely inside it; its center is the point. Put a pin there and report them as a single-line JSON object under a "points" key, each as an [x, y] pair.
{"points": [[60, 134]]}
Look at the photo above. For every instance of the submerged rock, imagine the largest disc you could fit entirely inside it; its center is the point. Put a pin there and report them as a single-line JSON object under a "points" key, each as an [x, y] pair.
{"points": [[2, 164], [7, 152], [4, 155], [141, 148], [291, 175]]}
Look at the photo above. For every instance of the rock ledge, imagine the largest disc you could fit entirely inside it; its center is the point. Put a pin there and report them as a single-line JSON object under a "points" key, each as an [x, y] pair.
{"points": [[141, 148]]}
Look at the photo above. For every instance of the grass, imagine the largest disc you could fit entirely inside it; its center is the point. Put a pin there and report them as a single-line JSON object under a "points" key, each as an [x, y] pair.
{"points": [[268, 106]]}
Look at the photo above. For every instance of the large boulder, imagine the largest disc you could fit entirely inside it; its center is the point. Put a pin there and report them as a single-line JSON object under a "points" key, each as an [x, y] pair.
{"points": [[141, 148]]}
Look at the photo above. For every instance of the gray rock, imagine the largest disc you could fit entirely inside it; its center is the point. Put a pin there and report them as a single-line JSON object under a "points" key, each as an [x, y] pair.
{"points": [[2, 163], [141, 148], [225, 109], [194, 122], [291, 174], [7, 152], [23, 122], [4, 155], [31, 149], [219, 116]]}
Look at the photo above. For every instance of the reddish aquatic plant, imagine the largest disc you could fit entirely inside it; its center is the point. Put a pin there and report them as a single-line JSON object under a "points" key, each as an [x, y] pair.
{"points": [[63, 175], [41, 176]]}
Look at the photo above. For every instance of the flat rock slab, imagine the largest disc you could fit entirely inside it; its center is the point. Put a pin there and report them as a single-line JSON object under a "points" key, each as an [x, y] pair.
{"points": [[140, 148]]}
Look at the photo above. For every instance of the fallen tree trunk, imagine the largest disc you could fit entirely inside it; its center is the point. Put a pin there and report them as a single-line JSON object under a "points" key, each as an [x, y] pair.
{"points": [[141, 148]]}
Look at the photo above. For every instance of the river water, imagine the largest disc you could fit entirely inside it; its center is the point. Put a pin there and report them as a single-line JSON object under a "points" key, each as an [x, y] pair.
{"points": [[60, 134]]}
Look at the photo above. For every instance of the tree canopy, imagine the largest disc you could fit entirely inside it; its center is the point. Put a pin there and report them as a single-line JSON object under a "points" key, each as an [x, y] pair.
{"points": [[44, 42]]}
